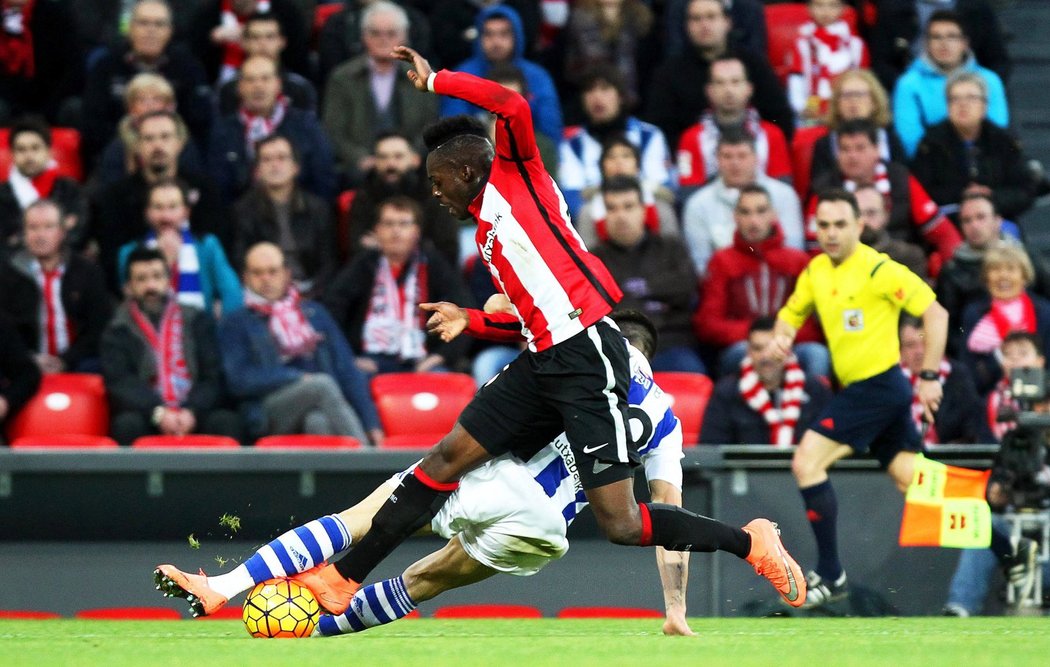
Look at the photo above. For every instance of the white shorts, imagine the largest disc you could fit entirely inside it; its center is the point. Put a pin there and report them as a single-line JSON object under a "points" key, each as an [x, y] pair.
{"points": [[503, 519]]}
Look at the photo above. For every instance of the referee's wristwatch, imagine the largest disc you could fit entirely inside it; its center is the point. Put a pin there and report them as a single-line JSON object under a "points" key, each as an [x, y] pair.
{"points": [[927, 374]]}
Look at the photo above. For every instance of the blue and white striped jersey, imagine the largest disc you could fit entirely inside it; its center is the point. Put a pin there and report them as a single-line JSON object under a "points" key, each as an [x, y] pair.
{"points": [[655, 431]]}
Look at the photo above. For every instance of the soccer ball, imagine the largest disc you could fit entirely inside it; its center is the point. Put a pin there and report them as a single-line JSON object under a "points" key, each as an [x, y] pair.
{"points": [[280, 608]]}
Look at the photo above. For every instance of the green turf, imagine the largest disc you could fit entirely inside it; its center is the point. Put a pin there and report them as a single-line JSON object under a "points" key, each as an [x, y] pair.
{"points": [[769, 642]]}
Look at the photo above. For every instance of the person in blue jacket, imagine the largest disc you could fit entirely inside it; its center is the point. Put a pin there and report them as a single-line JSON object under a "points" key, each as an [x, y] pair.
{"points": [[501, 38], [919, 100], [288, 363], [201, 274]]}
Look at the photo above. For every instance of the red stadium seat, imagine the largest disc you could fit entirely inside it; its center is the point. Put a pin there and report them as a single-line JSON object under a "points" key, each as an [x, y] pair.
{"points": [[418, 409], [609, 612], [64, 441], [689, 394], [782, 24], [802, 145], [308, 442], [185, 442], [27, 615], [65, 148], [65, 404], [130, 614], [488, 611]]}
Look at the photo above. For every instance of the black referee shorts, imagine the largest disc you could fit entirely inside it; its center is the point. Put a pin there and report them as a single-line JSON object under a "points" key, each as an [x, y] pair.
{"points": [[579, 387]]}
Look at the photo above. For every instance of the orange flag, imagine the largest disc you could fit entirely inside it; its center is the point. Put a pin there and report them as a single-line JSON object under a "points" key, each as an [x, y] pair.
{"points": [[945, 507]]}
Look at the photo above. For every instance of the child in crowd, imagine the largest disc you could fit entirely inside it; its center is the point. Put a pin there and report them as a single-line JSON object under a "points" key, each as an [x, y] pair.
{"points": [[826, 47]]}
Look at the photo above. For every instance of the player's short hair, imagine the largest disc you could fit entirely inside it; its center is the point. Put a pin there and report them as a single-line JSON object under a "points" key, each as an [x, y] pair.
{"points": [[1024, 337], [735, 137], [1000, 253], [622, 184], [721, 3], [441, 132], [31, 124], [764, 323], [638, 329], [148, 82], [946, 16], [839, 194], [855, 126], [141, 254], [402, 203]]}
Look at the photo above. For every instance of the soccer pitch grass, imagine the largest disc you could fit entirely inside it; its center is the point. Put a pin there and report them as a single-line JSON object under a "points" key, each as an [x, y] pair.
{"points": [[813, 642]]}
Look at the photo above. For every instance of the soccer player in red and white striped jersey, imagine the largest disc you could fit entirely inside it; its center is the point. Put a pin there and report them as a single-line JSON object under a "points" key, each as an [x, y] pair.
{"points": [[574, 376]]}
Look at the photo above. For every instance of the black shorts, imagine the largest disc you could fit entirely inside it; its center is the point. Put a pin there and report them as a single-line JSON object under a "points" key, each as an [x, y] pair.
{"points": [[873, 416], [579, 387]]}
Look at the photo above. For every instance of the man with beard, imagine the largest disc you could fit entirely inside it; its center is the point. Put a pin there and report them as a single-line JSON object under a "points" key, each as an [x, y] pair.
{"points": [[160, 361], [396, 172], [602, 94], [118, 210]]}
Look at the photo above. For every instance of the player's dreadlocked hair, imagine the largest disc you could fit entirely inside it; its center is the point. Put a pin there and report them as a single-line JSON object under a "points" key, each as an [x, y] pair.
{"points": [[638, 329], [445, 129]]}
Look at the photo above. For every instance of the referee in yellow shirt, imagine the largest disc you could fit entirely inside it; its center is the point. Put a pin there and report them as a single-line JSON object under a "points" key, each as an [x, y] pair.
{"points": [[859, 294]]}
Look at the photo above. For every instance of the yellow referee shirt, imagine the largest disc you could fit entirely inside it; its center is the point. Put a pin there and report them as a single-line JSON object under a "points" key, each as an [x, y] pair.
{"points": [[859, 304]]}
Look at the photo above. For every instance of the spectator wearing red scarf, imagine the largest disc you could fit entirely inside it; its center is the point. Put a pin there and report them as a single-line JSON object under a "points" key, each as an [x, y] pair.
{"points": [[1007, 272], [216, 31], [34, 176], [160, 361]]}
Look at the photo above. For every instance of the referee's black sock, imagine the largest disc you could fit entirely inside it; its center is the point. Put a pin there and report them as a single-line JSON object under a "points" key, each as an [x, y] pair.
{"points": [[410, 507], [678, 529]]}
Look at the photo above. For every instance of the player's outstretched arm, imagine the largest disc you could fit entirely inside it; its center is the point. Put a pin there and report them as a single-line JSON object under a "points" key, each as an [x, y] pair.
{"points": [[515, 137], [673, 567]]}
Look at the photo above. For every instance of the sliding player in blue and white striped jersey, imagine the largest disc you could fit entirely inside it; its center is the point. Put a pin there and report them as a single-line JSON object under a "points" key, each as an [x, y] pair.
{"points": [[507, 516]]}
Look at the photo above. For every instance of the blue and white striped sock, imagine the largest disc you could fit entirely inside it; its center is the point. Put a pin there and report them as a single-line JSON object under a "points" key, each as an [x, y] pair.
{"points": [[297, 550], [377, 604]]}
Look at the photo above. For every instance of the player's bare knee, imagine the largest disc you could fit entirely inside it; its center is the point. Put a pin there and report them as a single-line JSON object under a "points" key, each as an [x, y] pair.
{"points": [[622, 528], [805, 468]]}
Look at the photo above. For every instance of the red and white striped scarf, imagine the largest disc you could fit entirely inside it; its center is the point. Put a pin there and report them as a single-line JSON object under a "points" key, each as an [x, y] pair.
{"points": [[257, 128], [233, 53], [781, 422], [826, 52], [1003, 317], [999, 398], [393, 324], [30, 190], [56, 331], [293, 333], [943, 371], [881, 183], [710, 133], [173, 380]]}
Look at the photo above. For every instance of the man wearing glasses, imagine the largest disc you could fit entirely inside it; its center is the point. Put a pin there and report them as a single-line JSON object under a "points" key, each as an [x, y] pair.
{"points": [[919, 100]]}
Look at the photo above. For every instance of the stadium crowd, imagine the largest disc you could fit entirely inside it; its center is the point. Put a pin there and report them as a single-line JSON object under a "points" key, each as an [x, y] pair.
{"points": [[220, 205]]}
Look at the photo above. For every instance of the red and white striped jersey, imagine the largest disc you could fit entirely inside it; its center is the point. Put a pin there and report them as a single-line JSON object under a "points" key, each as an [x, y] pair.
{"points": [[524, 233]]}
